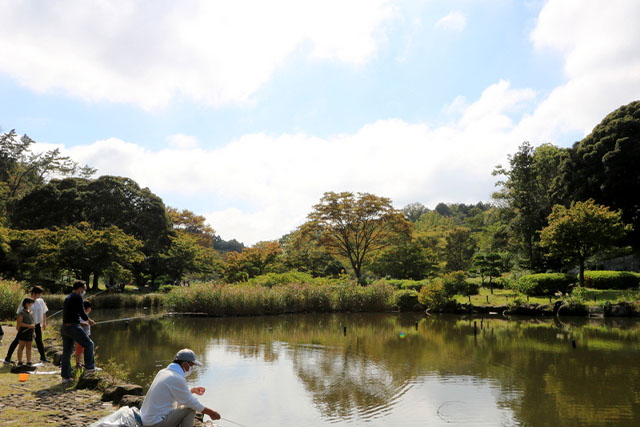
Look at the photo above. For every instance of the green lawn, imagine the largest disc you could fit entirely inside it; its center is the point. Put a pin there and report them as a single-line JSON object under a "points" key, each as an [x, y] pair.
{"points": [[591, 296]]}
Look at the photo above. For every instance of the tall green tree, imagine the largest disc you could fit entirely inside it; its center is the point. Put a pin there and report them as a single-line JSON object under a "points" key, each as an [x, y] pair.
{"points": [[356, 227], [532, 185], [22, 169], [407, 260], [103, 202], [604, 166], [87, 251], [458, 249], [489, 265], [581, 231]]}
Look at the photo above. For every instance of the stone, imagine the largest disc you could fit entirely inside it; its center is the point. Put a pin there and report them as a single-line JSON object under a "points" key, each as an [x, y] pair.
{"points": [[91, 382], [132, 401], [115, 393]]}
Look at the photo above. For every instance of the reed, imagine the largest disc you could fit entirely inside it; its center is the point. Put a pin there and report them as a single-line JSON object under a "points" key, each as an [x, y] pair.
{"points": [[247, 299]]}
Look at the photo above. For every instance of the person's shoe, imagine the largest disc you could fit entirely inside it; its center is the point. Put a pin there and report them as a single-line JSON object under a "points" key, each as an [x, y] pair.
{"points": [[8, 362], [44, 361], [29, 363], [20, 363]]}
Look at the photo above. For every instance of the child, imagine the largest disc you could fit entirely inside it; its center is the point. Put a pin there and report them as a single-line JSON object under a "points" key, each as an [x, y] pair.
{"points": [[39, 313], [87, 328], [25, 325]]}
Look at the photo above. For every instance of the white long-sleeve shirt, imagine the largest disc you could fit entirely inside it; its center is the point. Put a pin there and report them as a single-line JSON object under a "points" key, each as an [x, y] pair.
{"points": [[168, 390]]}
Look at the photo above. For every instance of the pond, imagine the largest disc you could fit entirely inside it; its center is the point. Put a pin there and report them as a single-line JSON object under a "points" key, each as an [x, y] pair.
{"points": [[393, 370]]}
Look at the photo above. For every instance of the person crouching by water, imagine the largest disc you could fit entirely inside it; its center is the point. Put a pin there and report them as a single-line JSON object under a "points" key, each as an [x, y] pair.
{"points": [[169, 390], [71, 331]]}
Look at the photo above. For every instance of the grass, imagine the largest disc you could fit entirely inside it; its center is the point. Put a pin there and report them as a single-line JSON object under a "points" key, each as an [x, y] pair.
{"points": [[500, 297], [589, 296]]}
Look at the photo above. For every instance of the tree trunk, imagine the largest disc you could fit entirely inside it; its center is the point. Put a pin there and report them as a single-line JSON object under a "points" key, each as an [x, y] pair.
{"points": [[96, 276], [581, 276], [491, 285]]}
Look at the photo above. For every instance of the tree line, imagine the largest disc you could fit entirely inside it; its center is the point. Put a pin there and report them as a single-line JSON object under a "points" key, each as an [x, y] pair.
{"points": [[554, 209]]}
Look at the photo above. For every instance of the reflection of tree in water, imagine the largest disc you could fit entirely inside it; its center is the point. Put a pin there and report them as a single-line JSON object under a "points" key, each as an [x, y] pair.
{"points": [[536, 372], [344, 384]]}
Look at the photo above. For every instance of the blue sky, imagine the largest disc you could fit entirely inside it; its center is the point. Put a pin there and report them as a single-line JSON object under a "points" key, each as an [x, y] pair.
{"points": [[247, 113]]}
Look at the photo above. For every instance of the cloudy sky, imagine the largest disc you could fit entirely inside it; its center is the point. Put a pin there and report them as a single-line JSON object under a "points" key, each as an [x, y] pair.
{"points": [[248, 111]]}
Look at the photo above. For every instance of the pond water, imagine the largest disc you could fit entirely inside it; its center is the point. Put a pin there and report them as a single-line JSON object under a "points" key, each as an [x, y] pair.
{"points": [[393, 370]]}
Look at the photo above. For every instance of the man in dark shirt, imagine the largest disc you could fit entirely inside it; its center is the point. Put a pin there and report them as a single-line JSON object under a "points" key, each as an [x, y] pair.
{"points": [[72, 312]]}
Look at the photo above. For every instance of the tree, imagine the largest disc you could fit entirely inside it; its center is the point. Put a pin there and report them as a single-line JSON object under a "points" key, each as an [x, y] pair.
{"points": [[489, 265], [356, 227], [87, 251], [103, 202], [604, 166], [531, 188], [186, 255], [581, 231], [195, 225], [22, 170], [458, 249], [262, 258], [407, 260], [413, 211], [302, 251]]}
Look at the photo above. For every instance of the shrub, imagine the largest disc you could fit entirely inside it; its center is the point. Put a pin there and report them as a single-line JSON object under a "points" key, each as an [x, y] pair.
{"points": [[415, 285], [273, 279], [406, 300], [611, 279], [11, 294], [165, 289], [455, 283], [434, 295], [544, 283]]}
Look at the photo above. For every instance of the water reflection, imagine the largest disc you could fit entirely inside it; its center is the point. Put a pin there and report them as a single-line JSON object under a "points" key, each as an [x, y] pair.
{"points": [[302, 370]]}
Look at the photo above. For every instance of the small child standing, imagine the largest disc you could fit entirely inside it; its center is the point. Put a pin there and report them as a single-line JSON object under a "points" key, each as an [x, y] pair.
{"points": [[87, 328], [25, 326]]}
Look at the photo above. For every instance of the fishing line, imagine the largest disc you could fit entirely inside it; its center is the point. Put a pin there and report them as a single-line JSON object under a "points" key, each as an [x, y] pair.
{"points": [[233, 422]]}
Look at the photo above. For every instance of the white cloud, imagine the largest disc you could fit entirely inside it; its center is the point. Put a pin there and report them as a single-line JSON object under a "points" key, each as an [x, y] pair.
{"points": [[148, 53], [453, 21], [600, 42], [182, 141], [278, 178]]}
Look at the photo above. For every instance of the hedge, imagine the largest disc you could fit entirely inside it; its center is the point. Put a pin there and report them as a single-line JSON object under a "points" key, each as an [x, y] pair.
{"points": [[544, 283], [611, 279]]}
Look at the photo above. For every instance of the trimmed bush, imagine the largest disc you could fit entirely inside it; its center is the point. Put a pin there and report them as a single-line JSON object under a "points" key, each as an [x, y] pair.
{"points": [[11, 294], [406, 300], [544, 283], [273, 279], [433, 295], [415, 285], [611, 279], [456, 283]]}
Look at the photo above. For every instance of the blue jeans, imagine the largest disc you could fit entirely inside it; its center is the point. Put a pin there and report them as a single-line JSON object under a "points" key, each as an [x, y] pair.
{"points": [[70, 334]]}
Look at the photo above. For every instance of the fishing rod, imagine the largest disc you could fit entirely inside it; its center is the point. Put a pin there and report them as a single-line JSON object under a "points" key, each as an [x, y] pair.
{"points": [[60, 311], [210, 423], [126, 319]]}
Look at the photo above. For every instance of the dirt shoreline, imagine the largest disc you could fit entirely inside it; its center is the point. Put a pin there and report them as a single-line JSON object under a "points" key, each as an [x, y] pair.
{"points": [[43, 400]]}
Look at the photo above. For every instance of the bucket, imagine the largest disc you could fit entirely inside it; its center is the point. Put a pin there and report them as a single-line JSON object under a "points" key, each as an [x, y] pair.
{"points": [[23, 377]]}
